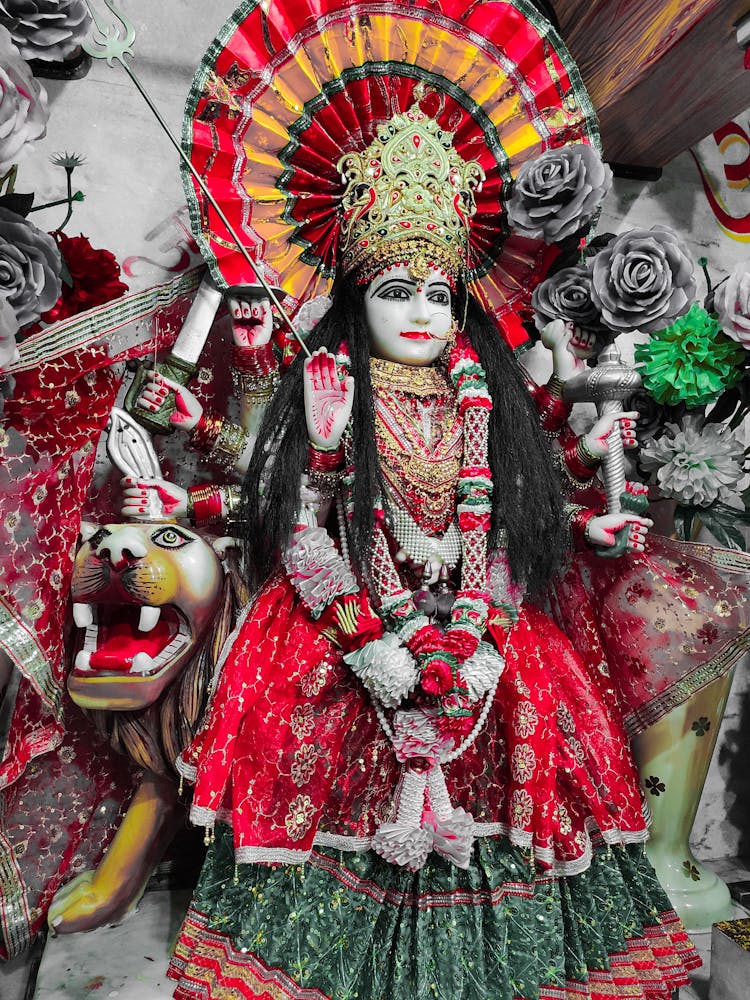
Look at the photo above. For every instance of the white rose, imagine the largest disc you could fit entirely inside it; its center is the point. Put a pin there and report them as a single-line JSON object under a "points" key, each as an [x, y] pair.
{"points": [[23, 103], [732, 303]]}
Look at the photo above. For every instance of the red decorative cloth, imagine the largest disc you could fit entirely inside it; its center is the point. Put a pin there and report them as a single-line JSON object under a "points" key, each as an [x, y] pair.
{"points": [[293, 752]]}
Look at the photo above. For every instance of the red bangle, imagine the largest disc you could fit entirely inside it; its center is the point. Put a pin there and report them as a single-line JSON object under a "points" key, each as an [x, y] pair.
{"points": [[573, 461], [553, 412], [324, 461], [254, 360], [206, 432], [206, 503], [578, 524]]}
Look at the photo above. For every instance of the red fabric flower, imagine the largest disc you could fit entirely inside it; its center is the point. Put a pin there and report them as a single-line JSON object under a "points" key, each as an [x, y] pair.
{"points": [[428, 639], [460, 643], [437, 677], [94, 274]]}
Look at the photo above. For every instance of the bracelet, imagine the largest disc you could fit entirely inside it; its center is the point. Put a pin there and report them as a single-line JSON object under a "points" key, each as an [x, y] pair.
{"points": [[554, 386], [579, 524], [574, 464], [255, 388], [204, 506], [229, 445], [323, 460], [585, 454], [205, 434], [232, 501], [254, 361], [553, 412], [325, 483]]}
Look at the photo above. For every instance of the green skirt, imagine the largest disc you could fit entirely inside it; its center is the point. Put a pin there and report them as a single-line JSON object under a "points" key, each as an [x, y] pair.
{"points": [[349, 926]]}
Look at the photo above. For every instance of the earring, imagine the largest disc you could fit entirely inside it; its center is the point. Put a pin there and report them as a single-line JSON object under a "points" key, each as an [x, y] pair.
{"points": [[450, 339]]}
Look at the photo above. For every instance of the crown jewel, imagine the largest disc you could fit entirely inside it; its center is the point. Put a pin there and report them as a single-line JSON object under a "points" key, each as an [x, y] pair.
{"points": [[409, 198]]}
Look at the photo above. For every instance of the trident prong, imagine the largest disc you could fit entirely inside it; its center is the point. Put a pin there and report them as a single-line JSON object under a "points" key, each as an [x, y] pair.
{"points": [[109, 43]]}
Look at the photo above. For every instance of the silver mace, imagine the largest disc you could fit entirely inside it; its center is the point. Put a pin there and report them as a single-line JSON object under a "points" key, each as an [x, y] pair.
{"points": [[607, 385]]}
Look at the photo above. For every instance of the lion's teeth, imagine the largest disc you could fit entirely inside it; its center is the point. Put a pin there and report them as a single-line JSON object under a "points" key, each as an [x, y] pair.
{"points": [[83, 660], [142, 664], [149, 617], [83, 615]]}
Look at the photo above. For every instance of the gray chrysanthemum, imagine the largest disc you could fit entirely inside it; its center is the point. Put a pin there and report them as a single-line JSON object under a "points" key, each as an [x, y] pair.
{"points": [[696, 466], [29, 267], [566, 295], [558, 193], [46, 29], [643, 280], [23, 104]]}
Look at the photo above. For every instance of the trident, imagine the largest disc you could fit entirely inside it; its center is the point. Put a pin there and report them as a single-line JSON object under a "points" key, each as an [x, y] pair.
{"points": [[111, 44]]}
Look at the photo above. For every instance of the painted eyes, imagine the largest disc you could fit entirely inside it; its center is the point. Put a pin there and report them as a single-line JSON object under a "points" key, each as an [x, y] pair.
{"points": [[170, 538], [403, 293]]}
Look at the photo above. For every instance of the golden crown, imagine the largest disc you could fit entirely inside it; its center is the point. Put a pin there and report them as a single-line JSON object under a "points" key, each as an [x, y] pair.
{"points": [[409, 198]]}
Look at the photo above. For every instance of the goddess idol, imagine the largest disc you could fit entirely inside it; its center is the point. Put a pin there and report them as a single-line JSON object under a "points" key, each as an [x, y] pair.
{"points": [[411, 784]]}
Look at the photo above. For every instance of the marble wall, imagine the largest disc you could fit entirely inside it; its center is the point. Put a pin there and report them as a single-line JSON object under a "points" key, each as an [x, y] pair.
{"points": [[134, 203]]}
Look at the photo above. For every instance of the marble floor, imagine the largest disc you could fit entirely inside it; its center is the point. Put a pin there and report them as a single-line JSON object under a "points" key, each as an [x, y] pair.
{"points": [[129, 962]]}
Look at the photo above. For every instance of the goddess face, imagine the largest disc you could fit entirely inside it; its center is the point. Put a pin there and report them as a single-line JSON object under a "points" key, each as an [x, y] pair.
{"points": [[408, 321]]}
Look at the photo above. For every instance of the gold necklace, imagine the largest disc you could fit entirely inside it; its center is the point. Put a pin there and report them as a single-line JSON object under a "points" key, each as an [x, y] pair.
{"points": [[416, 380]]}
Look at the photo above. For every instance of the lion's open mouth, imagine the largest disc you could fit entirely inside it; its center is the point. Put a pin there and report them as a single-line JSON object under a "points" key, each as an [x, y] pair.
{"points": [[128, 638]]}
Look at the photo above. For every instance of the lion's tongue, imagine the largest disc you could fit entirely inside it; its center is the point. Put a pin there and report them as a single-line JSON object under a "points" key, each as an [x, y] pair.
{"points": [[119, 641]]}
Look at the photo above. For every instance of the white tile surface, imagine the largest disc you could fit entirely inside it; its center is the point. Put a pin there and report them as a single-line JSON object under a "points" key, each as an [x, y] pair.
{"points": [[128, 962]]}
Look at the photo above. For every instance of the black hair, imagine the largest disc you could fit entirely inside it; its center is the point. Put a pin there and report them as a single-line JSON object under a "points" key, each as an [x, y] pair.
{"points": [[527, 500]]}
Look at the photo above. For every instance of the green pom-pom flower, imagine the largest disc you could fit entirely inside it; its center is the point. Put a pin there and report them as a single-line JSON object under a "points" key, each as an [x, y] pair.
{"points": [[692, 361]]}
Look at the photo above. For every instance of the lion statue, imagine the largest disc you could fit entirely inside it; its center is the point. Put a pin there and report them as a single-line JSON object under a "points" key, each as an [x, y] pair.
{"points": [[153, 604]]}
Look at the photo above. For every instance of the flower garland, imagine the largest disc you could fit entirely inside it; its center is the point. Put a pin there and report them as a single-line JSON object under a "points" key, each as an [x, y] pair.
{"points": [[446, 670]]}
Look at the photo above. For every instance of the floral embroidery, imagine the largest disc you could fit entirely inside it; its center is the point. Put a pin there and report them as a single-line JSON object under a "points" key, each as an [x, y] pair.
{"points": [[314, 680], [577, 748], [521, 807], [564, 820], [708, 633], [722, 609], [299, 818], [302, 721], [523, 762], [305, 759], [526, 719], [565, 719]]}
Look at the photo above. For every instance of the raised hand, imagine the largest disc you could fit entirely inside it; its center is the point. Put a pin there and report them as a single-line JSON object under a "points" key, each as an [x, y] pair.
{"points": [[188, 410], [596, 439], [558, 337], [252, 320], [328, 400], [136, 497], [601, 530]]}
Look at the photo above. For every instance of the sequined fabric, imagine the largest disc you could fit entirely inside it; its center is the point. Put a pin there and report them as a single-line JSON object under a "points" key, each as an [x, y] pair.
{"points": [[350, 925]]}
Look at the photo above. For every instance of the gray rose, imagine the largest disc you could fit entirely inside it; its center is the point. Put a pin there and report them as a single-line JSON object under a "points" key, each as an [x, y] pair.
{"points": [[46, 29], [643, 280], [732, 303], [558, 193], [652, 416], [29, 267], [566, 295], [23, 104]]}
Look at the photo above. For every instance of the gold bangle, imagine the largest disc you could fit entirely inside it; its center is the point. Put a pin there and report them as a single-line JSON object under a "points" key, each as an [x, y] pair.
{"points": [[554, 386], [229, 444], [231, 498], [258, 387], [585, 454]]}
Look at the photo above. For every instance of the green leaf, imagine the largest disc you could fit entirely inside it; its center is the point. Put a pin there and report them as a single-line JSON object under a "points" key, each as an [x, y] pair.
{"points": [[722, 529], [725, 406], [683, 521]]}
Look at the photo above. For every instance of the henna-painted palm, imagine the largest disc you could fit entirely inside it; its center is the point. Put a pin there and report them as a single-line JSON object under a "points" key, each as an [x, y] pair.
{"points": [[328, 400]]}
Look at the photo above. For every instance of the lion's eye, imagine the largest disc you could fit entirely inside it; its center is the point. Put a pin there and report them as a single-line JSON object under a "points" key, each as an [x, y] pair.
{"points": [[171, 538]]}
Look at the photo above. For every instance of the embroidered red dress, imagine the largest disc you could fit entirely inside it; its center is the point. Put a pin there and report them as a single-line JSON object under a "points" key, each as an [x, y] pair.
{"points": [[294, 757]]}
